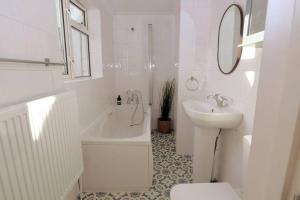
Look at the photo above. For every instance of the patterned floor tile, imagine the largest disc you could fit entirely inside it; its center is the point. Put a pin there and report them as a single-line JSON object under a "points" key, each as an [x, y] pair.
{"points": [[169, 169]]}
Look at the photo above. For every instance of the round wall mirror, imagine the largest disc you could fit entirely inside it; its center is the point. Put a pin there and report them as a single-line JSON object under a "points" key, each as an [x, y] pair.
{"points": [[230, 39]]}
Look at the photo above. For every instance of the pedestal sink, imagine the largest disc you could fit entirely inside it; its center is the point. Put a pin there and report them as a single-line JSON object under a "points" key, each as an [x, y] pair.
{"points": [[208, 121], [206, 115]]}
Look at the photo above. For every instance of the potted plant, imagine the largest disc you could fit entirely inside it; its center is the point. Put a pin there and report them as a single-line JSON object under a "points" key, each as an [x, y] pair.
{"points": [[166, 100]]}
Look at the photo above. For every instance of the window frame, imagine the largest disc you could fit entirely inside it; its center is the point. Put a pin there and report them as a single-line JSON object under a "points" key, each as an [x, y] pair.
{"points": [[82, 9], [88, 52], [68, 24], [62, 34]]}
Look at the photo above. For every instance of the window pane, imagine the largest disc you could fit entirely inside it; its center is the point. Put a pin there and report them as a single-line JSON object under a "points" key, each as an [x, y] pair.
{"points": [[61, 30], [80, 54], [85, 55], [77, 14]]}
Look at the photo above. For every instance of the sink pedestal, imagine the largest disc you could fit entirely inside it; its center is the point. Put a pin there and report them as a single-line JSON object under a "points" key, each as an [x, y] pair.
{"points": [[204, 143], [208, 120]]}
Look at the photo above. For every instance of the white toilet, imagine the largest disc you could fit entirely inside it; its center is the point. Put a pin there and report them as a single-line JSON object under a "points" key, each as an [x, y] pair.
{"points": [[203, 191]]}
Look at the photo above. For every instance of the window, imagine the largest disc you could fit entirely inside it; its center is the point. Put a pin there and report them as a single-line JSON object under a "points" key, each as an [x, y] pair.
{"points": [[61, 31], [75, 40], [80, 52], [77, 14]]}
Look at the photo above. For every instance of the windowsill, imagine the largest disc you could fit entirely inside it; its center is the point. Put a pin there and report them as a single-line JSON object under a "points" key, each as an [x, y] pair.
{"points": [[81, 79]]}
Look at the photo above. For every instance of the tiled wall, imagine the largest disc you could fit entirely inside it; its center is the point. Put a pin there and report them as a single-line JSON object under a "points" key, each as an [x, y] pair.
{"points": [[131, 54], [241, 86], [193, 60], [23, 81], [19, 82], [96, 95], [20, 21], [28, 31]]}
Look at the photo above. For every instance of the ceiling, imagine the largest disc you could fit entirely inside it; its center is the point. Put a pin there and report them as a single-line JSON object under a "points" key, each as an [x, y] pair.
{"points": [[140, 6]]}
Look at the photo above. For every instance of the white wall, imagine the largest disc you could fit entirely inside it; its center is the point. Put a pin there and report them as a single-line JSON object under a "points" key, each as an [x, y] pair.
{"points": [[193, 59], [28, 32], [96, 95], [292, 180], [295, 189], [278, 100], [22, 81], [18, 81], [241, 85], [20, 21], [131, 54]]}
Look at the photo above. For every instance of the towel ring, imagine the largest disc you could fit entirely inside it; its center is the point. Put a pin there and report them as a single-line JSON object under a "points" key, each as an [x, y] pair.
{"points": [[192, 84]]}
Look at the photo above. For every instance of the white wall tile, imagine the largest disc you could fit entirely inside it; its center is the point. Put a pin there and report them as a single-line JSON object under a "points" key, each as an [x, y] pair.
{"points": [[131, 51], [29, 31], [22, 20], [16, 85], [201, 38]]}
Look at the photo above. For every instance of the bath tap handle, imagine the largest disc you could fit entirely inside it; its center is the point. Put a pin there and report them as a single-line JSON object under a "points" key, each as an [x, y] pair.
{"points": [[130, 96]]}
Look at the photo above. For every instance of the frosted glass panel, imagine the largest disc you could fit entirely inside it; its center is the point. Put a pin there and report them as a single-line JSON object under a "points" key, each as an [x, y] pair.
{"points": [[85, 55], [77, 14], [81, 65]]}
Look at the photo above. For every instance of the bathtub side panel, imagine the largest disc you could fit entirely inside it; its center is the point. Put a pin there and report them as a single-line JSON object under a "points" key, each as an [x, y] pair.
{"points": [[116, 167]]}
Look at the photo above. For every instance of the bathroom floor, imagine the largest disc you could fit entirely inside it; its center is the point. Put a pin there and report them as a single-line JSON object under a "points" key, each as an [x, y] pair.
{"points": [[169, 169]]}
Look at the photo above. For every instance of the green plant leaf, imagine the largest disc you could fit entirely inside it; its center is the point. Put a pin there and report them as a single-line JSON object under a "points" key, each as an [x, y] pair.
{"points": [[166, 99]]}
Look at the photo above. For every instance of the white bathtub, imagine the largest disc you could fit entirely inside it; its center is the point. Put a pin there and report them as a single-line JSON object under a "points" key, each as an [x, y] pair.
{"points": [[118, 157]]}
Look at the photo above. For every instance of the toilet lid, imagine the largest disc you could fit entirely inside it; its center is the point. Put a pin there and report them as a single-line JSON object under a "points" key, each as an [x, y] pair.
{"points": [[203, 191]]}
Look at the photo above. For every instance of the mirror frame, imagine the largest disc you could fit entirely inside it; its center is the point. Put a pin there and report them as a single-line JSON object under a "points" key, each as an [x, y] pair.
{"points": [[241, 38]]}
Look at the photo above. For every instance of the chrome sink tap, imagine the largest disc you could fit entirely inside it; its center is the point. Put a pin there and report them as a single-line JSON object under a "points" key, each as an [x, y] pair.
{"points": [[221, 100]]}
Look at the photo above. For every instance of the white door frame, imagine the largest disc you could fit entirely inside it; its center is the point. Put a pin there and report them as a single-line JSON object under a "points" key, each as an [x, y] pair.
{"points": [[277, 103]]}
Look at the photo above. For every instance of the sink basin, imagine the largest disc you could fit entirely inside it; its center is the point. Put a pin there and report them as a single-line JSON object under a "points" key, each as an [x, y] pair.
{"points": [[205, 115]]}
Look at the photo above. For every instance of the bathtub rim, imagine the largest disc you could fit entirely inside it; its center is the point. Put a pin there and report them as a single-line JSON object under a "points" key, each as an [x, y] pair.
{"points": [[144, 138]]}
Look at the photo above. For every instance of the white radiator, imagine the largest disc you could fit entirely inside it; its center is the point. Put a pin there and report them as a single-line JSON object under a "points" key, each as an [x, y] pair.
{"points": [[40, 148]]}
